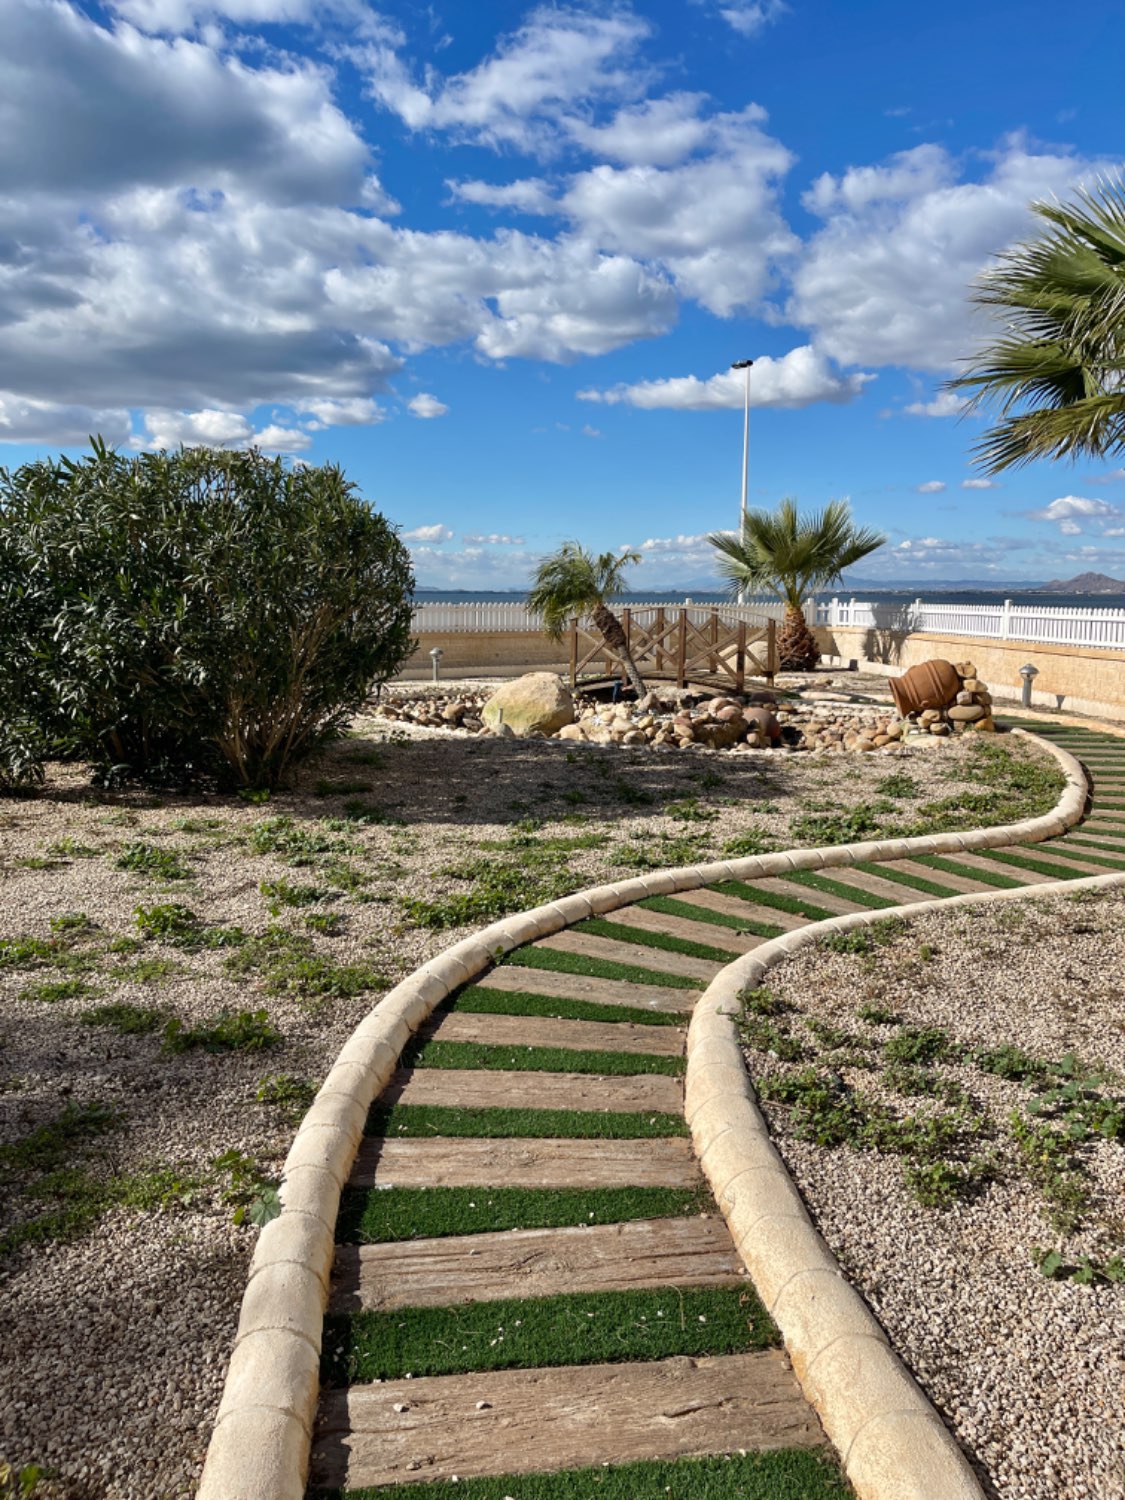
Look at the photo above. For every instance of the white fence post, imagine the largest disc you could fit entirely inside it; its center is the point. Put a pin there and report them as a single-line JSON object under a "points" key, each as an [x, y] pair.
{"points": [[1006, 621]]}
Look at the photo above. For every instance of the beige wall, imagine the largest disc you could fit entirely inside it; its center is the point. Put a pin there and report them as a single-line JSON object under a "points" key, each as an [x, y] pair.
{"points": [[487, 651], [1078, 678]]}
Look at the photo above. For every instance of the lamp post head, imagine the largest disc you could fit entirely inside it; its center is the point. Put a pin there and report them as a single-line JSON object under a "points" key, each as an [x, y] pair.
{"points": [[741, 364], [1029, 671]]}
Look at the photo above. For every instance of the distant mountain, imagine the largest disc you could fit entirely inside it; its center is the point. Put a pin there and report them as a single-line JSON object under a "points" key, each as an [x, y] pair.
{"points": [[1085, 583]]}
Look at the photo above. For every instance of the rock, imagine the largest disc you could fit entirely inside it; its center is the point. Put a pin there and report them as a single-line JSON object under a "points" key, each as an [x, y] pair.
{"points": [[762, 719], [571, 732], [984, 726], [964, 698], [649, 704], [634, 737], [539, 700], [965, 713], [763, 696], [974, 685], [940, 729], [502, 732], [472, 724], [454, 713], [966, 669]]}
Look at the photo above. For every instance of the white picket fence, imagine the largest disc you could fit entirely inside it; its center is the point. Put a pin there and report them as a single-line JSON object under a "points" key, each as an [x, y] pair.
{"points": [[1005, 621], [464, 619], [1043, 623]]}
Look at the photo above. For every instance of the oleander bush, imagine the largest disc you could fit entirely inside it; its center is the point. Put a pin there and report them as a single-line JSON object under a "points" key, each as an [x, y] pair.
{"points": [[171, 615]]}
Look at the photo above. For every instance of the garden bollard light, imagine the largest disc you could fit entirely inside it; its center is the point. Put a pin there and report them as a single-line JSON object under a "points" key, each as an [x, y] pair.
{"points": [[1029, 674], [435, 656]]}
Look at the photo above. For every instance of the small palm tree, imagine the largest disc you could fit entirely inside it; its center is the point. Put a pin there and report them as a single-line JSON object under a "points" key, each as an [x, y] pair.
{"points": [[574, 582], [779, 553], [1057, 376]]}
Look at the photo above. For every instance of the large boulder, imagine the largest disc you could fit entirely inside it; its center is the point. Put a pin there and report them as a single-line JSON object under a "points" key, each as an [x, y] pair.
{"points": [[540, 700]]}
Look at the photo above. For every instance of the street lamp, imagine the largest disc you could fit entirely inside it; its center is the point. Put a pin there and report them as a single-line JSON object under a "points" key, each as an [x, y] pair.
{"points": [[747, 365]]}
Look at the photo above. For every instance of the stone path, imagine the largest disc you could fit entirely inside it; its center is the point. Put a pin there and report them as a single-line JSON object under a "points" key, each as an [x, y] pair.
{"points": [[561, 1111]]}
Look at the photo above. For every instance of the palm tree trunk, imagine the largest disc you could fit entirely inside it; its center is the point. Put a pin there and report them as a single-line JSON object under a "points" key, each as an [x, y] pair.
{"points": [[797, 649], [610, 629]]}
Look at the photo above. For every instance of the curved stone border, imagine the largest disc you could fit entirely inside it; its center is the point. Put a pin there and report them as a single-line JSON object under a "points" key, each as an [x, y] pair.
{"points": [[893, 1444], [262, 1439]]}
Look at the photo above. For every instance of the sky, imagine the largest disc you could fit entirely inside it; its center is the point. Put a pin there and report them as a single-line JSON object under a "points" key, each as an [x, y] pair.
{"points": [[496, 260]]}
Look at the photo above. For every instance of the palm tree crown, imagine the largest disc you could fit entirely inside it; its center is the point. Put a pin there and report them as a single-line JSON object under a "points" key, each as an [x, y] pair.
{"points": [[1057, 376], [573, 582], [781, 553]]}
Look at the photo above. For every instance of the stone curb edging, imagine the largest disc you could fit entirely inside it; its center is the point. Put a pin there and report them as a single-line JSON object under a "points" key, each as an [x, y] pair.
{"points": [[893, 1444], [261, 1442]]}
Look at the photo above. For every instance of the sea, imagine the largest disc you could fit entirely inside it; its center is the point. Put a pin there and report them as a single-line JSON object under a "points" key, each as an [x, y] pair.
{"points": [[881, 596]]}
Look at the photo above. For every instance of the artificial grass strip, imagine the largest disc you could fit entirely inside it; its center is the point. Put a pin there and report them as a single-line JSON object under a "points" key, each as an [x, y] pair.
{"points": [[371, 1216], [1040, 866], [1097, 843], [426, 1121], [621, 932], [528, 1333], [969, 872], [557, 961], [771, 899], [904, 877], [783, 1474], [421, 1053], [673, 908], [479, 1001], [838, 888], [1058, 850]]}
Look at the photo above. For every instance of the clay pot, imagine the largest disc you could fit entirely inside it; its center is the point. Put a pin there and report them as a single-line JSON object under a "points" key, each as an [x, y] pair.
{"points": [[931, 684]]}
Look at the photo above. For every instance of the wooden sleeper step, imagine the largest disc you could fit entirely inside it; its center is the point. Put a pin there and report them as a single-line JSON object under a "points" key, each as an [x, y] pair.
{"points": [[653, 1253], [536, 1421], [541, 1031], [450, 1161], [579, 987], [472, 1088]]}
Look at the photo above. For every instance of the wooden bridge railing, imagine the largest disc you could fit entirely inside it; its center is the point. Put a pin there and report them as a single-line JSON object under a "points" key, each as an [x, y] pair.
{"points": [[673, 644]]}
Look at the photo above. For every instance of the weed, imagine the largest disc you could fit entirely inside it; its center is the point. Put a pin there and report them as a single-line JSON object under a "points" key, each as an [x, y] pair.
{"points": [[690, 810], [229, 1031], [632, 796], [287, 1093], [71, 922], [1047, 1155], [68, 848], [917, 1045], [832, 1036], [20, 1483], [50, 990], [146, 970], [52, 1145], [145, 859], [857, 941], [300, 845], [1009, 1062], [762, 1035], [939, 1184], [747, 844], [859, 822], [129, 1020], [498, 888], [1087, 1272], [282, 893], [287, 964], [763, 1002], [373, 758], [170, 922], [327, 923], [897, 785], [253, 1195], [877, 1015]]}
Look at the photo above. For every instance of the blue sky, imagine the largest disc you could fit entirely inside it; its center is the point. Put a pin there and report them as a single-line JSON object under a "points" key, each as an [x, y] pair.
{"points": [[496, 260]]}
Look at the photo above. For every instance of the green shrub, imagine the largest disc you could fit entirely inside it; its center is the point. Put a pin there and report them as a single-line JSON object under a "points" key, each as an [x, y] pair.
{"points": [[229, 1031], [167, 614]]}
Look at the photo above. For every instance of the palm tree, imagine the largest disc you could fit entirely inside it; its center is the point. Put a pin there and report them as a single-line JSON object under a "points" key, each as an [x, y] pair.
{"points": [[1057, 375], [574, 582], [779, 553]]}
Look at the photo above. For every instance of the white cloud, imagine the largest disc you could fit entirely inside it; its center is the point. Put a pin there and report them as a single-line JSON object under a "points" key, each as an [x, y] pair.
{"points": [[979, 484], [944, 404], [1069, 510], [429, 534], [494, 539], [208, 428], [748, 17], [472, 568], [1113, 477], [355, 411], [426, 406], [930, 487], [277, 439], [674, 544], [886, 280], [796, 379], [24, 421], [531, 195], [658, 132], [557, 59]]}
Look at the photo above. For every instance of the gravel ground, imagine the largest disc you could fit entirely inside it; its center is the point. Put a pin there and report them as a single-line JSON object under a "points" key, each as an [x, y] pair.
{"points": [[113, 1345], [1029, 1372]]}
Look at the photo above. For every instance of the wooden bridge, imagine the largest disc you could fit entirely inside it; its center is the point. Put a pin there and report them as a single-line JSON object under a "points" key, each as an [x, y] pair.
{"points": [[684, 645]]}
